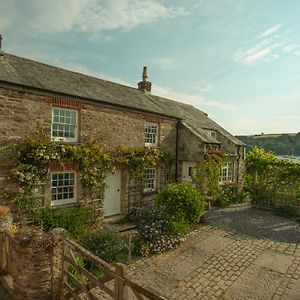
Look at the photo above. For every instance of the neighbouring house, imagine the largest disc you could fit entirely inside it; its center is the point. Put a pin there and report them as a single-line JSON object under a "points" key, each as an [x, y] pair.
{"points": [[72, 106]]}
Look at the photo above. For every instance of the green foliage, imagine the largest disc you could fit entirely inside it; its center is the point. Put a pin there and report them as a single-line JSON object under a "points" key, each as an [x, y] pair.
{"points": [[34, 155], [162, 226], [285, 211], [106, 245], [230, 193], [137, 159], [74, 220], [153, 230], [280, 144], [206, 174], [183, 204], [269, 178]]}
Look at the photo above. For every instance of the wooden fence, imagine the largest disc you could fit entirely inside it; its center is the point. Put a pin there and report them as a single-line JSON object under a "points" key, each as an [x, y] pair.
{"points": [[101, 281]]}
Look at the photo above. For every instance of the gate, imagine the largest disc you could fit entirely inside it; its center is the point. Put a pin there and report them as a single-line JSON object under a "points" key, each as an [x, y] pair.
{"points": [[106, 283]]}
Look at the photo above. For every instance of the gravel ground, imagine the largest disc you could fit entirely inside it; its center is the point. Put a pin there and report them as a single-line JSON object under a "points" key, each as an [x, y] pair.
{"points": [[259, 224]]}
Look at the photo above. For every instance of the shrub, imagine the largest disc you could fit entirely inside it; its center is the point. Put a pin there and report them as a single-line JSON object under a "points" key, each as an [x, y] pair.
{"points": [[285, 211], [74, 220], [183, 204], [106, 245], [152, 234], [230, 193]]}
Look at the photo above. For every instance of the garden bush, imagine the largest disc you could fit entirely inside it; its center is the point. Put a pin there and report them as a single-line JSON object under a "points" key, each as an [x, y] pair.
{"points": [[285, 211], [152, 236], [183, 204], [106, 245], [230, 193], [74, 220]]}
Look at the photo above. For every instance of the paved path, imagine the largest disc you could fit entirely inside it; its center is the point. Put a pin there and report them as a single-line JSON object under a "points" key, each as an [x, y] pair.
{"points": [[240, 253]]}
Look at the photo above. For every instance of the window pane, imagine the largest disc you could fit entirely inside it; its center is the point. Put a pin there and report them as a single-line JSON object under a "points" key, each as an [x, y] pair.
{"points": [[64, 123], [63, 185]]}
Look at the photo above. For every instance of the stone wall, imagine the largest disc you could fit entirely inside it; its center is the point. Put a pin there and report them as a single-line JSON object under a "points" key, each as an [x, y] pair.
{"points": [[190, 147], [31, 261], [21, 109]]}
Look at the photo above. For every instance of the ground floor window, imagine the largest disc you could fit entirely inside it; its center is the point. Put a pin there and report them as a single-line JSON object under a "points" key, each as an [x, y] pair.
{"points": [[226, 173], [63, 188], [149, 179]]}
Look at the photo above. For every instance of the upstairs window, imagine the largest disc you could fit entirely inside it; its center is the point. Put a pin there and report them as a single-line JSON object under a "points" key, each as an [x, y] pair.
{"points": [[226, 173], [150, 180], [63, 188], [211, 133], [151, 134], [64, 124]]}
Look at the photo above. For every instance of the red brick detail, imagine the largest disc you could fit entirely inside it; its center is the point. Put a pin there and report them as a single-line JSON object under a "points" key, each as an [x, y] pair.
{"points": [[68, 166], [154, 119], [66, 103]]}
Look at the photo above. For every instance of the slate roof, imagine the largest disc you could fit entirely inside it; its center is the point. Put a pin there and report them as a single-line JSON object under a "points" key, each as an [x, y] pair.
{"points": [[26, 72]]}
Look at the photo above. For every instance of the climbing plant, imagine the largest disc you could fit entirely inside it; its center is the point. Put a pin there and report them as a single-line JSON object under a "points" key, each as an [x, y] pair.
{"points": [[269, 178], [34, 156], [206, 174]]}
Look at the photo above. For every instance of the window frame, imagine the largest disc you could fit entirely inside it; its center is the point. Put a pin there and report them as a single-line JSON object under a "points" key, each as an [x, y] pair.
{"points": [[146, 184], [65, 139], [227, 172], [211, 132], [73, 200], [147, 143]]}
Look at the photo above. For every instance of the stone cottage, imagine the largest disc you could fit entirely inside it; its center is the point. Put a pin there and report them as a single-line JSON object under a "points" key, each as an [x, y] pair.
{"points": [[72, 106]]}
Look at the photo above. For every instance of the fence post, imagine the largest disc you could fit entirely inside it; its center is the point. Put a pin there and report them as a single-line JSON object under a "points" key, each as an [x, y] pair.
{"points": [[119, 283], [59, 234]]}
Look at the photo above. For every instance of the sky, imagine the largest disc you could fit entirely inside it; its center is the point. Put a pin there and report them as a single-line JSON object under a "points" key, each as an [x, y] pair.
{"points": [[237, 60]]}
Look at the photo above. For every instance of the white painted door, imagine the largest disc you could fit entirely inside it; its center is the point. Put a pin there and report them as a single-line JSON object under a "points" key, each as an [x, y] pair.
{"points": [[112, 196]]}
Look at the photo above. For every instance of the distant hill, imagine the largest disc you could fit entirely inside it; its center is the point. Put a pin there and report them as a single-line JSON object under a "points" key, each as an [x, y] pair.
{"points": [[280, 144]]}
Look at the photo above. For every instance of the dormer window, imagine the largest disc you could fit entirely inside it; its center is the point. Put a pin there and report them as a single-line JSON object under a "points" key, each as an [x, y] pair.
{"points": [[212, 133], [64, 124], [151, 130]]}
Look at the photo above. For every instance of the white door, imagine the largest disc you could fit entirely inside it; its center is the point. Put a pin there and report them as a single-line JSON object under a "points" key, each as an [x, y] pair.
{"points": [[112, 196]]}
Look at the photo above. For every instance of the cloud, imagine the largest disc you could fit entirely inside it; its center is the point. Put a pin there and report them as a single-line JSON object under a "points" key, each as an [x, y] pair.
{"points": [[270, 45], [166, 64], [195, 100], [271, 30], [290, 48], [253, 55], [203, 86], [88, 16], [287, 118]]}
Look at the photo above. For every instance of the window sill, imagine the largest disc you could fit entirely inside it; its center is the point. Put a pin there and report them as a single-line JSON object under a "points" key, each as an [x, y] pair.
{"points": [[64, 205], [150, 192]]}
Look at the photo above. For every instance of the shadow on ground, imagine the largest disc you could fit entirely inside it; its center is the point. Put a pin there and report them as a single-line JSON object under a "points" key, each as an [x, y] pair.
{"points": [[256, 223]]}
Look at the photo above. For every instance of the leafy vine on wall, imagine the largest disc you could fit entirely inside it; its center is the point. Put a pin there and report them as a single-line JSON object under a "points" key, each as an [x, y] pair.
{"points": [[34, 156]]}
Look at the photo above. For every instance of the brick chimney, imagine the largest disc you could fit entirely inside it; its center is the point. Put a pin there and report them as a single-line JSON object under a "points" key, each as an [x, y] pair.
{"points": [[145, 85]]}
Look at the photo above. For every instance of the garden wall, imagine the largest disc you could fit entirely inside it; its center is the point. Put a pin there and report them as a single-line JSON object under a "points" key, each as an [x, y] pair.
{"points": [[30, 261]]}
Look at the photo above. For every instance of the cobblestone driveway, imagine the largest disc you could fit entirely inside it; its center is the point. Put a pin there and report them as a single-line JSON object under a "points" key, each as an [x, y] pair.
{"points": [[241, 253]]}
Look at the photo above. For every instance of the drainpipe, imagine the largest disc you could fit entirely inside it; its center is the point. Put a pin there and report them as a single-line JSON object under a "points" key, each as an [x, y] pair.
{"points": [[238, 164], [176, 152]]}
